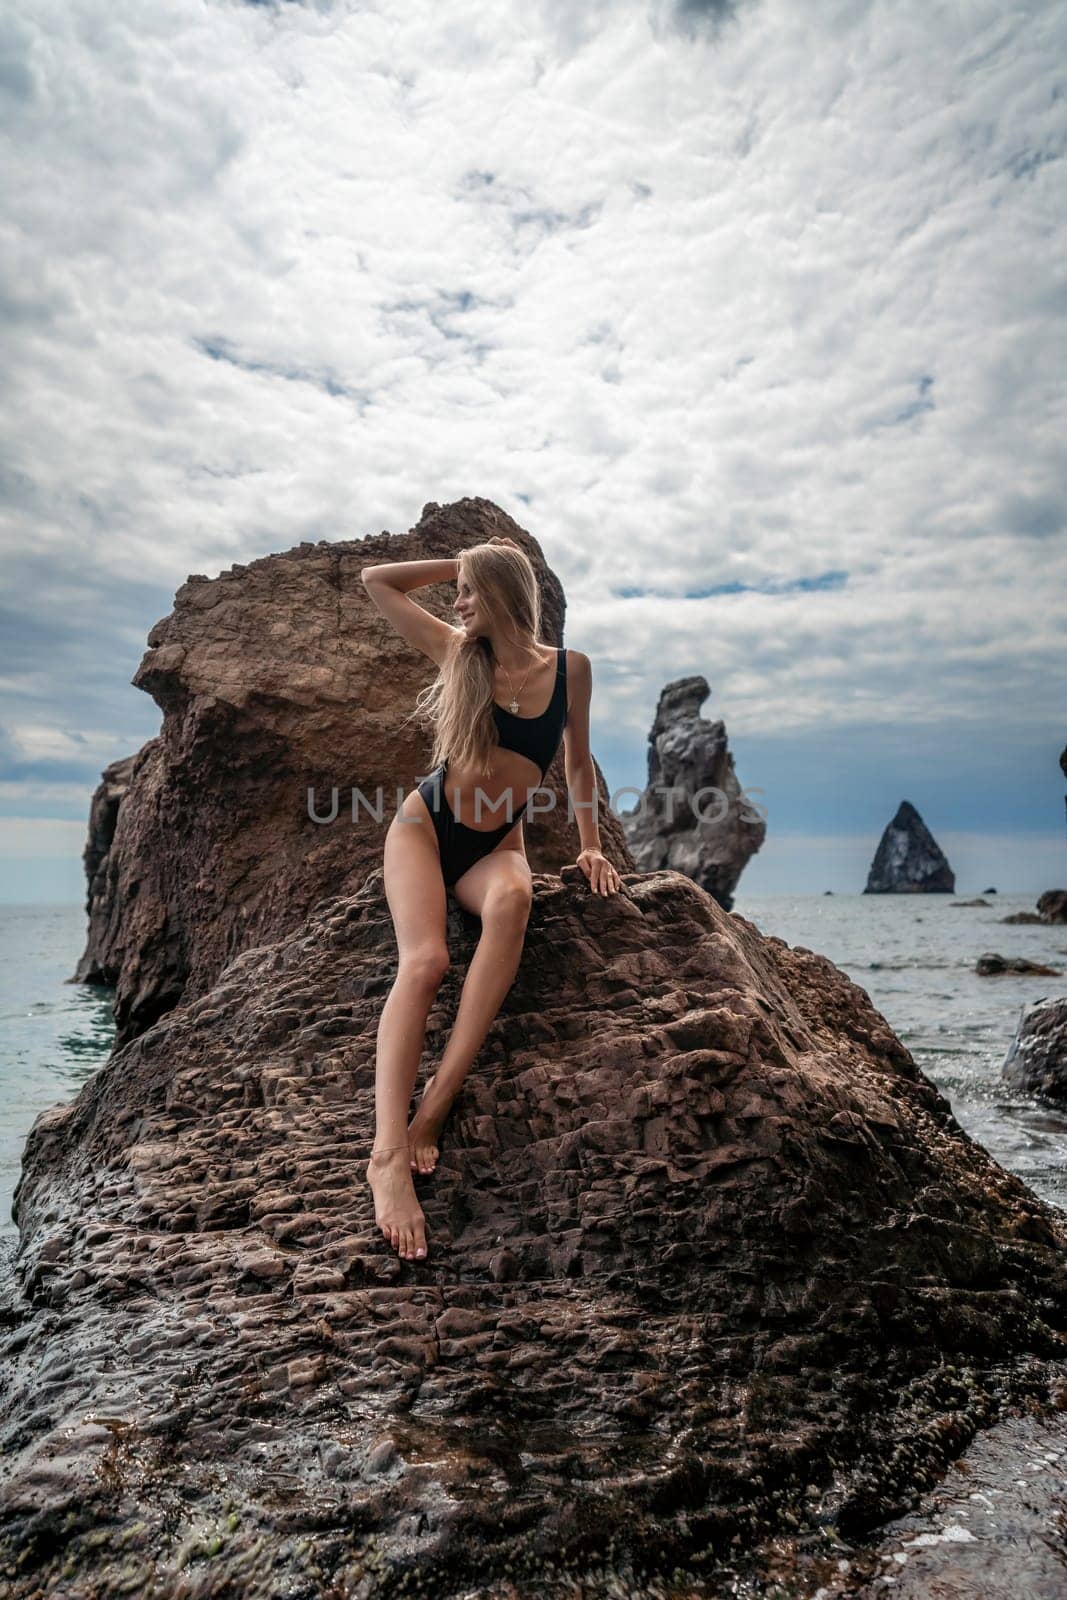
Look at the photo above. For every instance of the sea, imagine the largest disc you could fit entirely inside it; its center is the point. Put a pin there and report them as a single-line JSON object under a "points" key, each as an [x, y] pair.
{"points": [[915, 956]]}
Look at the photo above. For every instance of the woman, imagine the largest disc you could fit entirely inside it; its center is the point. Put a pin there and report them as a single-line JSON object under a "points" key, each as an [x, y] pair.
{"points": [[499, 703]]}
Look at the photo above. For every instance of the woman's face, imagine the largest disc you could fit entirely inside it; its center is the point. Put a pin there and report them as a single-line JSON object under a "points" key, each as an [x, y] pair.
{"points": [[466, 606]]}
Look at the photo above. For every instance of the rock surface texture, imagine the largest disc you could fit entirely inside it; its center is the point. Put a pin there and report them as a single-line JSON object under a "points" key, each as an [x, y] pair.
{"points": [[276, 679], [713, 842], [710, 1261], [1037, 1057], [908, 859]]}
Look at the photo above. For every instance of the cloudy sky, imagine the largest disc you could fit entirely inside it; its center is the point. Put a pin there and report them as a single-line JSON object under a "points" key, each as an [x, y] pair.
{"points": [[753, 314]]}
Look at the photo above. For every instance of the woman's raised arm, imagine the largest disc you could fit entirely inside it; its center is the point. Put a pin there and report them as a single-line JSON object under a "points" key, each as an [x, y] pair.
{"points": [[387, 585]]}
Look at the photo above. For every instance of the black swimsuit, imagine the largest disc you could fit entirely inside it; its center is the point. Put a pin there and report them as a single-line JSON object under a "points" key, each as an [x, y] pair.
{"points": [[537, 738]]}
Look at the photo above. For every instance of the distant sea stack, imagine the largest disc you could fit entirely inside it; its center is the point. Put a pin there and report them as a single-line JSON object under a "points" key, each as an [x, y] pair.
{"points": [[908, 859], [713, 843]]}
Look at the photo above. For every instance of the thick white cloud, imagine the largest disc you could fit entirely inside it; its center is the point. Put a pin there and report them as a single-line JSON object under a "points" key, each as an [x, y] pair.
{"points": [[761, 295]]}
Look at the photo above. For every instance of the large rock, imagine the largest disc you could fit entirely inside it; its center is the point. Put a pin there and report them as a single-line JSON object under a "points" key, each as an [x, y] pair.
{"points": [[278, 681], [709, 838], [1036, 1061], [711, 1261], [908, 859]]}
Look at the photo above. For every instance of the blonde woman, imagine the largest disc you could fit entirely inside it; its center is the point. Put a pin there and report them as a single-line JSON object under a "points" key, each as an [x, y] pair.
{"points": [[501, 702]]}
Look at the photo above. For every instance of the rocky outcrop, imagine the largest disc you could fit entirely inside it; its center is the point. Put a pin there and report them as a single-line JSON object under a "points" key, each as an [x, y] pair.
{"points": [[1051, 908], [95, 965], [1036, 1061], [281, 686], [908, 859], [693, 816], [711, 1263], [1052, 905], [992, 964]]}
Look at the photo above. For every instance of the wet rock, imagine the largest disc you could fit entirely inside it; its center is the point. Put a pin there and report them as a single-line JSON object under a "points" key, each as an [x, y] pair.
{"points": [[693, 816], [1051, 908], [702, 1239], [1036, 1061], [1052, 905], [992, 964], [908, 859], [284, 693]]}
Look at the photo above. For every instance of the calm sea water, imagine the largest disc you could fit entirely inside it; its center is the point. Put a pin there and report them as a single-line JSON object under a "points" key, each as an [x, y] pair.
{"points": [[914, 956]]}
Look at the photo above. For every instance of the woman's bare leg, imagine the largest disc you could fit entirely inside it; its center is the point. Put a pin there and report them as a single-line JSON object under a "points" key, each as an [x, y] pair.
{"points": [[415, 892], [498, 888]]}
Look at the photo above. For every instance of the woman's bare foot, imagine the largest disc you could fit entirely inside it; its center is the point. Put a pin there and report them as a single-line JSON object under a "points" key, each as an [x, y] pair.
{"points": [[425, 1127], [396, 1210]]}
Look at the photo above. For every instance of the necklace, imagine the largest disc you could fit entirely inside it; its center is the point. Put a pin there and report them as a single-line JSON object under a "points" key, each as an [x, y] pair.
{"points": [[513, 705]]}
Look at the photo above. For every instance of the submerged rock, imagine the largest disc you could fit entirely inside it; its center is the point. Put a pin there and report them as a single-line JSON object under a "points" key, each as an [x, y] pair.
{"points": [[710, 1260], [1037, 1057], [709, 836], [908, 859], [282, 759]]}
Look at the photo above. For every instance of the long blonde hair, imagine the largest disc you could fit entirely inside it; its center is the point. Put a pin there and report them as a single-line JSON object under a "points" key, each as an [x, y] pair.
{"points": [[459, 701]]}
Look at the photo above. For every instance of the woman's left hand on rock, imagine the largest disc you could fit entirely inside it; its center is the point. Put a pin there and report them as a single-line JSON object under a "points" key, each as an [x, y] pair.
{"points": [[603, 879]]}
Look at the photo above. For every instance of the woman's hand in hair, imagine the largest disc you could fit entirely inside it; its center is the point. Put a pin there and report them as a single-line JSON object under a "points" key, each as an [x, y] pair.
{"points": [[499, 538], [603, 879]]}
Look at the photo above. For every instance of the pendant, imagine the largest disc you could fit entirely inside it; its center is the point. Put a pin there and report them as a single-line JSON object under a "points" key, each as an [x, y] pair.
{"points": [[513, 707]]}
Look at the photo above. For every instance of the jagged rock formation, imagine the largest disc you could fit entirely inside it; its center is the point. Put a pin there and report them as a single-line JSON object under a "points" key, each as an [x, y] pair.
{"points": [[908, 859], [710, 1260], [1037, 1057], [713, 840], [100, 906], [276, 680]]}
